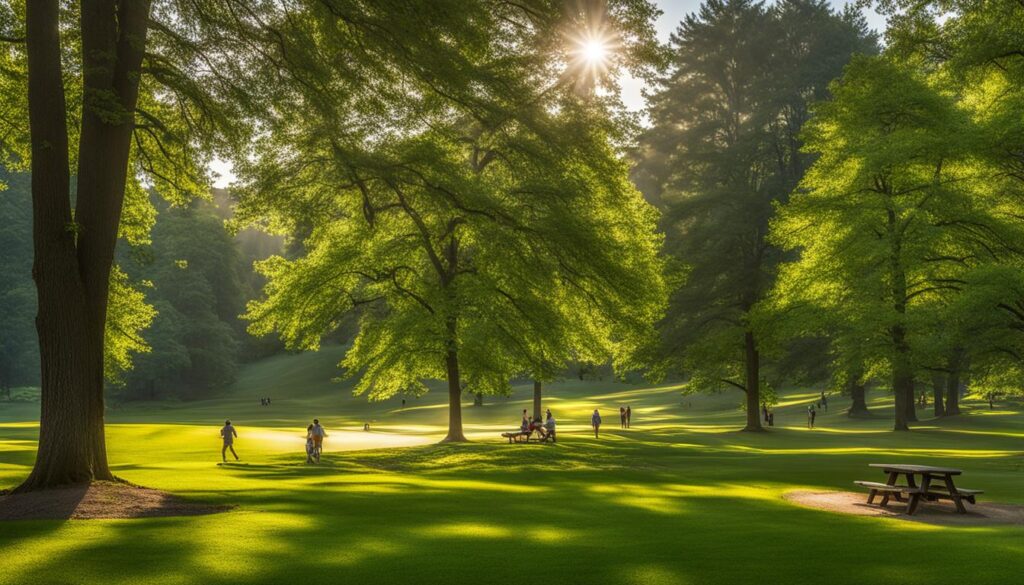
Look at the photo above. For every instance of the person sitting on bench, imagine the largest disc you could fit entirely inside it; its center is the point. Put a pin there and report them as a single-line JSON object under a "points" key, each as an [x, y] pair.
{"points": [[549, 426], [535, 426]]}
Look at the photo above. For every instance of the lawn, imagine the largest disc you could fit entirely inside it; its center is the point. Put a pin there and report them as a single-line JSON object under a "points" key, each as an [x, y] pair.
{"points": [[680, 498]]}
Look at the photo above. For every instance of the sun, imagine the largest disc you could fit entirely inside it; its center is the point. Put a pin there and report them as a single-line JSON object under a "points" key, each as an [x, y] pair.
{"points": [[595, 51]]}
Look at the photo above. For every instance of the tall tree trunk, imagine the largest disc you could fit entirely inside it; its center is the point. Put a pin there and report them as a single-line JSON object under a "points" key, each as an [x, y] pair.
{"points": [[858, 397], [537, 388], [953, 382], [73, 256], [454, 400], [753, 380], [902, 379], [938, 389], [911, 402]]}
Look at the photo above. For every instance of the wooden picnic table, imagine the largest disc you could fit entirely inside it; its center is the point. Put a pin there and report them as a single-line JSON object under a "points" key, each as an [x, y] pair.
{"points": [[936, 484]]}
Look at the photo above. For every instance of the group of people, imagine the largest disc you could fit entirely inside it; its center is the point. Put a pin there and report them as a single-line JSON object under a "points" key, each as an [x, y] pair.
{"points": [[315, 434], [768, 415], [545, 429], [265, 401]]}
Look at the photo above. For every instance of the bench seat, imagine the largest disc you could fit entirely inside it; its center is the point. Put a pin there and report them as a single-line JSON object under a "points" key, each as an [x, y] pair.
{"points": [[516, 436], [884, 487]]}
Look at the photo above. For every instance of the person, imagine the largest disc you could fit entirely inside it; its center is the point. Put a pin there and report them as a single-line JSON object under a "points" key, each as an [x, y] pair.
{"points": [[764, 411], [813, 414], [771, 418], [524, 426], [595, 421], [622, 417], [310, 445], [228, 433], [629, 414], [403, 404], [549, 426], [809, 410], [824, 401], [318, 439], [535, 426]]}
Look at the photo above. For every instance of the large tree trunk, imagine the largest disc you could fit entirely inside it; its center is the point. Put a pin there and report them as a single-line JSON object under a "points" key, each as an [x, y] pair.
{"points": [[454, 400], [537, 389], [938, 389], [953, 382], [73, 257], [858, 397], [911, 402], [753, 380], [902, 379]]}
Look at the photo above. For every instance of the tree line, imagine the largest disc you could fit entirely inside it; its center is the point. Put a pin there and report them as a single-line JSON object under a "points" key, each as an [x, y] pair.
{"points": [[830, 203]]}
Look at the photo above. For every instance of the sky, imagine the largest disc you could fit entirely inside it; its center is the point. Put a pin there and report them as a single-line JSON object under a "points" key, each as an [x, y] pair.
{"points": [[673, 12]]}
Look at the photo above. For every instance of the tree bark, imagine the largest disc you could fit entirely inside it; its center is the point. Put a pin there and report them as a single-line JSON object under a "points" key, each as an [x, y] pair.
{"points": [[953, 382], [911, 403], [537, 389], [753, 380], [938, 389], [858, 396], [454, 400], [74, 254]]}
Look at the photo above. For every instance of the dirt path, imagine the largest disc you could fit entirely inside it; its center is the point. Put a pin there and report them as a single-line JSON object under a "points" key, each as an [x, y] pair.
{"points": [[982, 514]]}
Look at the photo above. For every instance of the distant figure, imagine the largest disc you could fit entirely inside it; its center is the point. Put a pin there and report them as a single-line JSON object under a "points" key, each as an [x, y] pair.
{"points": [[524, 426], [403, 404], [595, 421], [549, 426], [366, 427], [310, 445], [823, 396], [228, 433], [811, 413], [318, 439], [764, 411], [824, 401], [548, 413], [771, 419], [622, 417], [629, 415]]}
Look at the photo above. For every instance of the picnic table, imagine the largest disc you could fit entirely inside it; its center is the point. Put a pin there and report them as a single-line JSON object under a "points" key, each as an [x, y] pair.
{"points": [[936, 484]]}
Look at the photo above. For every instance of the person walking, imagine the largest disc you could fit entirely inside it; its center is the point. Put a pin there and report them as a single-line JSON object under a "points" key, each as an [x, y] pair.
{"points": [[629, 415], [622, 417], [595, 421], [549, 427], [811, 413], [824, 401], [228, 433], [318, 439]]}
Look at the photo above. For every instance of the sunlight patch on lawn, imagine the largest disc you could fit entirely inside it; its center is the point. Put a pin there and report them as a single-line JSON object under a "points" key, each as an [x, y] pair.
{"points": [[465, 530]]}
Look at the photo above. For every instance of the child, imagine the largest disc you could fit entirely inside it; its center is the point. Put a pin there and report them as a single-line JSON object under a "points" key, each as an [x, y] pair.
{"points": [[310, 447]]}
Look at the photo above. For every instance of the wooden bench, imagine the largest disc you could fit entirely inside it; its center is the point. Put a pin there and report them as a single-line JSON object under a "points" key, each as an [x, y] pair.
{"points": [[896, 491], [517, 436], [964, 493]]}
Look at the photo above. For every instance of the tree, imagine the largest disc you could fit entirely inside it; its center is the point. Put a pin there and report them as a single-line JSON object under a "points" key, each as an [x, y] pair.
{"points": [[722, 150], [480, 236], [892, 217]]}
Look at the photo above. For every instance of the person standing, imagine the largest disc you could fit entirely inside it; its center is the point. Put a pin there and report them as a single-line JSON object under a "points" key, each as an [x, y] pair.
{"points": [[629, 415], [811, 414], [228, 433], [824, 401], [595, 421], [318, 433], [764, 411], [622, 417], [549, 426], [771, 418], [310, 445]]}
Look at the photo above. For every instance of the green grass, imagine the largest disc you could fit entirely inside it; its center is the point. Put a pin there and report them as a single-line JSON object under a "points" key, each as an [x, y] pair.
{"points": [[680, 498]]}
